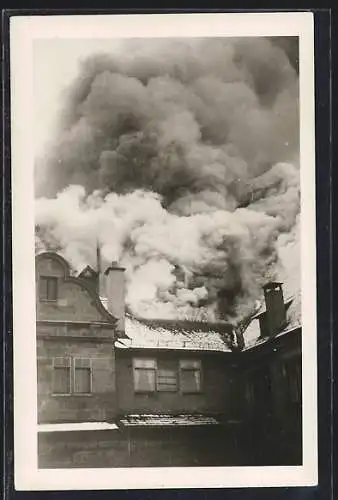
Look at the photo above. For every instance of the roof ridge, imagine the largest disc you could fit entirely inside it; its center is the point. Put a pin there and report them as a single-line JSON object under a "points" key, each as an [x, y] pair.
{"points": [[168, 321]]}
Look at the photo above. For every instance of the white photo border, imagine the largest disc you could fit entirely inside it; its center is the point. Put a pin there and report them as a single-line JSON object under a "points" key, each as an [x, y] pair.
{"points": [[23, 31]]}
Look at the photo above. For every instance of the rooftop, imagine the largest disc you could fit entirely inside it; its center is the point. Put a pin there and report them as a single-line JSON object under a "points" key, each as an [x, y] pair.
{"points": [[262, 310], [77, 426], [166, 420], [175, 334], [262, 340]]}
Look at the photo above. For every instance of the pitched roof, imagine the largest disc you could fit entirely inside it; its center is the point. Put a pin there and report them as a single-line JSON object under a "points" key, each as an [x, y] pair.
{"points": [[263, 340], [144, 333], [262, 310], [87, 272], [252, 334], [76, 426], [167, 420], [71, 276]]}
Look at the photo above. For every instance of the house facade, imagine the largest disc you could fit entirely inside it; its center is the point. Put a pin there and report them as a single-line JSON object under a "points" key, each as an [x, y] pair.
{"points": [[174, 367], [75, 335], [148, 392]]}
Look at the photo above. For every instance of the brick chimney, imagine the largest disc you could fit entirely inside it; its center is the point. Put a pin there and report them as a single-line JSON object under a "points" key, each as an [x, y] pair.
{"points": [[114, 291], [275, 317]]}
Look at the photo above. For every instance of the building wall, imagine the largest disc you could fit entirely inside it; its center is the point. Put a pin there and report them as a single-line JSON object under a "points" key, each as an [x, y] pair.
{"points": [[73, 326], [273, 425], [100, 405], [74, 302], [215, 397], [178, 447]]}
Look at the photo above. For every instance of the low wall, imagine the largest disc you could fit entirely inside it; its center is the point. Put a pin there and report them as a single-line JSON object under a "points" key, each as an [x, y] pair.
{"points": [[138, 448], [229, 445]]}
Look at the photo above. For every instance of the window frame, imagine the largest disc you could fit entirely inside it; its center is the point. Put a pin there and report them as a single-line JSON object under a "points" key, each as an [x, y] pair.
{"points": [[72, 375], [47, 279], [90, 368], [178, 372], [168, 389], [69, 368], [154, 369], [198, 369]]}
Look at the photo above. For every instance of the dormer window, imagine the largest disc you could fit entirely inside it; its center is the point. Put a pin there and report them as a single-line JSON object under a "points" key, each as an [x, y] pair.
{"points": [[48, 288]]}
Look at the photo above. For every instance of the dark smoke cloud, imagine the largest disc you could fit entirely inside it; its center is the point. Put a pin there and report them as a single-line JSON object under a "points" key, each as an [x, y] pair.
{"points": [[211, 128], [176, 117]]}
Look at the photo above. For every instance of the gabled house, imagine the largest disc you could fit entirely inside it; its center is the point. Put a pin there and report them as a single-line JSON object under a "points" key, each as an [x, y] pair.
{"points": [[75, 334]]}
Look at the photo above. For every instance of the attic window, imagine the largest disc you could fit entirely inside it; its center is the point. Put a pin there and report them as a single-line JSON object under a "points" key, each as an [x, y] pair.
{"points": [[48, 288]]}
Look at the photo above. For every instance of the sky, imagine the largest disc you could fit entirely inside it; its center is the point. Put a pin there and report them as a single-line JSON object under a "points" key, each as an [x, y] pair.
{"points": [[55, 65]]}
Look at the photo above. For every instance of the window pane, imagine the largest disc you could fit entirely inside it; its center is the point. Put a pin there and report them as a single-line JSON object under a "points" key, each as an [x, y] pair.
{"points": [[144, 363], [190, 363], [82, 383], [43, 288], [144, 380], [48, 288], [82, 362], [167, 380], [61, 361], [52, 289], [190, 380], [61, 380]]}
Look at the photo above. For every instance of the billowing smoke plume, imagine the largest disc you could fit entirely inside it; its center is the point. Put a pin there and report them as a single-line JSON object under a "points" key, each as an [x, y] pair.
{"points": [[181, 157]]}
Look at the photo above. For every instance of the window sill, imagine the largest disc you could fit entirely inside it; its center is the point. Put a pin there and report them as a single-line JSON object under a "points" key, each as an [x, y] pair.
{"points": [[72, 394], [145, 393]]}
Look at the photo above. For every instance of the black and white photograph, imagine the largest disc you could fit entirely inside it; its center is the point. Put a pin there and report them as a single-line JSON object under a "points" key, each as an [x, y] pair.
{"points": [[169, 258]]}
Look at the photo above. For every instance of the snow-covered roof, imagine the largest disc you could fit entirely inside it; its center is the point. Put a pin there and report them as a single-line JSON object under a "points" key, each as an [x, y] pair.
{"points": [[252, 334], [262, 340], [262, 310], [175, 334], [76, 426], [166, 420]]}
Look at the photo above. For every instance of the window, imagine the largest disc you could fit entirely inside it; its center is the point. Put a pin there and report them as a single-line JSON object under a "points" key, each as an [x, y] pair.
{"points": [[292, 372], [82, 376], [144, 375], [71, 376], [167, 380], [48, 288], [190, 376], [152, 375], [61, 376]]}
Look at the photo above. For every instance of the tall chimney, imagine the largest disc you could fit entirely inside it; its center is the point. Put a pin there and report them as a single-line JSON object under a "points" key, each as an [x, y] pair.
{"points": [[114, 285], [275, 308], [98, 259]]}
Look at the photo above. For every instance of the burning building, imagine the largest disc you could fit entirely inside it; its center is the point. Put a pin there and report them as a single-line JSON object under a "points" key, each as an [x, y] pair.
{"points": [[131, 381], [180, 158]]}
